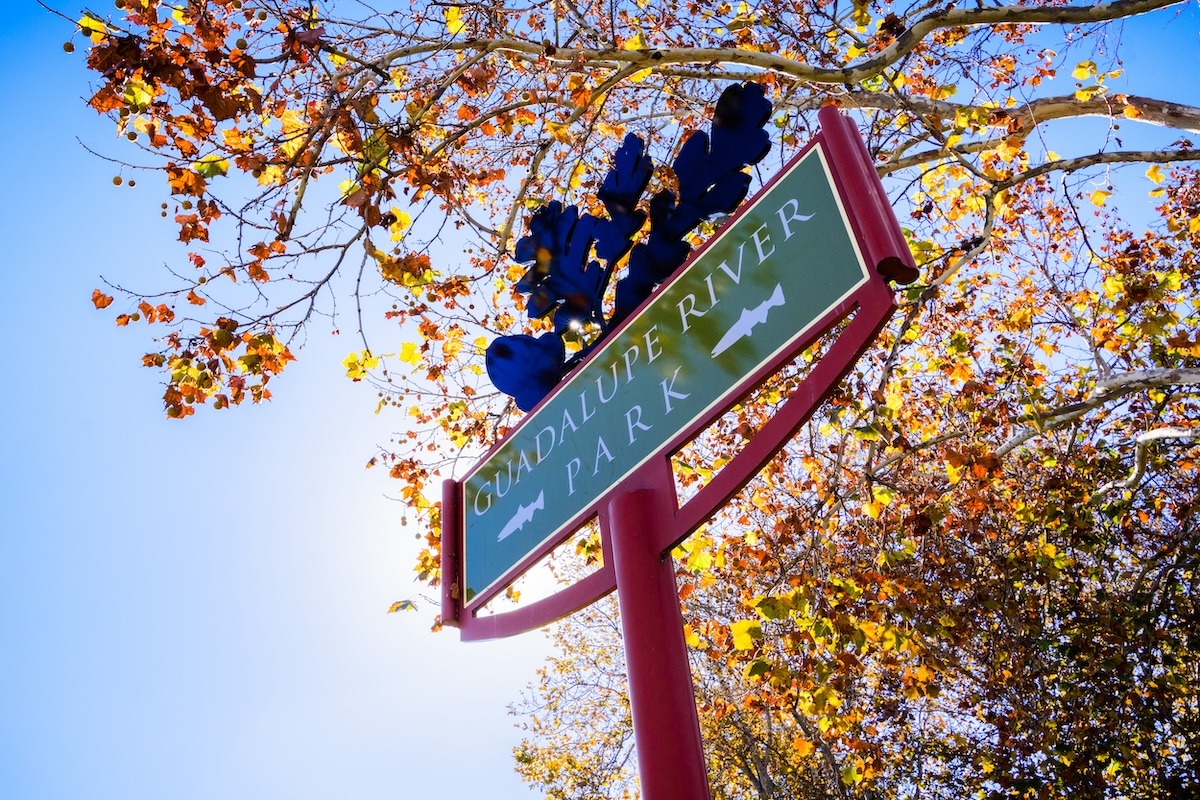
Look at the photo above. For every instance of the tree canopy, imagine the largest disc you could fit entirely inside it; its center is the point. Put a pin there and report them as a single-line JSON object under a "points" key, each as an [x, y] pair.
{"points": [[973, 574]]}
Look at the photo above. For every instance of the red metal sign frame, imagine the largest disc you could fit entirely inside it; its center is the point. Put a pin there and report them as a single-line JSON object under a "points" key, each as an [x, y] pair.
{"points": [[870, 306]]}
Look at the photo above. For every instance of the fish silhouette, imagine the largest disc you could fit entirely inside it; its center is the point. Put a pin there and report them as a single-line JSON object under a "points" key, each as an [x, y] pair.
{"points": [[523, 515], [748, 320]]}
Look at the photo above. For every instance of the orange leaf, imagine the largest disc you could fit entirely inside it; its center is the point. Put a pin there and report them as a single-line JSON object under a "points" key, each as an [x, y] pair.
{"points": [[185, 181], [100, 299]]}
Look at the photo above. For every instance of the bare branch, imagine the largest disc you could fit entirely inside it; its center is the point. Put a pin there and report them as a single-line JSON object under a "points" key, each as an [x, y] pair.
{"points": [[1107, 390], [1139, 459]]}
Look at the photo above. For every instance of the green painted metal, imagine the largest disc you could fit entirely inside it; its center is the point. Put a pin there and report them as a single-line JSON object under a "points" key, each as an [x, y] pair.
{"points": [[789, 258]]}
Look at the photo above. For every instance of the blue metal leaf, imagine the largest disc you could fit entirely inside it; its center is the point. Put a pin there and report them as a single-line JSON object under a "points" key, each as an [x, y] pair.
{"points": [[738, 138], [561, 279], [526, 368], [708, 170]]}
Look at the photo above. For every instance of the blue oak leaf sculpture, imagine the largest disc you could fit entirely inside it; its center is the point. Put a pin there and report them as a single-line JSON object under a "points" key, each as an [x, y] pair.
{"points": [[524, 367], [709, 171], [564, 279]]}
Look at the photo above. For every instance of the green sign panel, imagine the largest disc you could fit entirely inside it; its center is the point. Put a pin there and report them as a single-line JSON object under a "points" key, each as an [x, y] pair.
{"points": [[753, 291]]}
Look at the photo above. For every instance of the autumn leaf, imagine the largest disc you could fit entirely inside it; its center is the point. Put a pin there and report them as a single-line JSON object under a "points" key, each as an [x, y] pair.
{"points": [[635, 42], [185, 181], [745, 633], [93, 28], [454, 20], [358, 364], [211, 166], [803, 747], [100, 299], [1084, 70]]}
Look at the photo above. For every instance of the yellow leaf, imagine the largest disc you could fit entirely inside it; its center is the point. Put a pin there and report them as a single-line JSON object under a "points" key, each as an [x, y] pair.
{"points": [[1084, 70], [94, 28], [1020, 317], [700, 561], [410, 354], [357, 364], [1131, 112], [211, 166], [744, 633], [1155, 173], [454, 20], [271, 175], [826, 697], [1099, 196], [636, 42], [403, 221], [803, 746]]}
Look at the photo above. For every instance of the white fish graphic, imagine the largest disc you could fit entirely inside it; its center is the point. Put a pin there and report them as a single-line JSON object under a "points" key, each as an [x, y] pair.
{"points": [[523, 515], [748, 320]]}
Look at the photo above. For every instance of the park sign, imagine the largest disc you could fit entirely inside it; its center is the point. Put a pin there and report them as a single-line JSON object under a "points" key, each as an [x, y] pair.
{"points": [[784, 270], [788, 258]]}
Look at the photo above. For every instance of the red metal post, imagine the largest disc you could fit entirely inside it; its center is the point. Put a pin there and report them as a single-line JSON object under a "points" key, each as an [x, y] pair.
{"points": [[451, 552], [666, 726]]}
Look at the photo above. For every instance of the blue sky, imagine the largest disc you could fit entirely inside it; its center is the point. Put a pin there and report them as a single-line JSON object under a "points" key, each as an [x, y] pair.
{"points": [[197, 610]]}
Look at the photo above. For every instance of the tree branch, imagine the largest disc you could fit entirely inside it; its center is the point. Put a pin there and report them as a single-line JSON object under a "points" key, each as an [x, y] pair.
{"points": [[905, 43], [1106, 391], [1144, 441]]}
